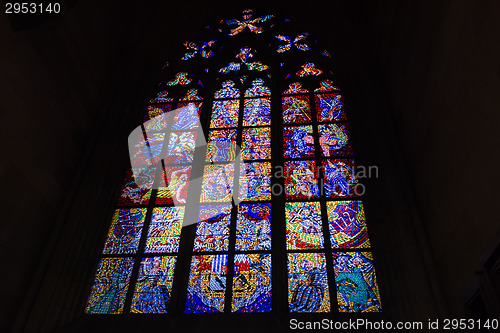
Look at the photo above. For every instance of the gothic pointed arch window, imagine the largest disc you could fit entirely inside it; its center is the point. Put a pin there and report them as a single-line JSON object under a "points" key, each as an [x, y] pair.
{"points": [[246, 143]]}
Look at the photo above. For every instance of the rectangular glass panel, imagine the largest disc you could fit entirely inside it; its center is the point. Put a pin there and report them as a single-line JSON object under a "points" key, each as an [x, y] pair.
{"points": [[298, 142], [256, 143], [125, 231], [255, 181], [165, 230], [296, 110], [154, 285], [329, 107], [339, 178], [137, 190], [174, 185], [207, 284], [186, 118], [225, 114], [307, 283], [212, 231], [180, 147], [301, 180], [357, 289], [334, 140], [347, 224], [252, 283], [257, 112], [253, 227], [303, 225], [221, 145], [217, 183], [110, 286], [147, 151]]}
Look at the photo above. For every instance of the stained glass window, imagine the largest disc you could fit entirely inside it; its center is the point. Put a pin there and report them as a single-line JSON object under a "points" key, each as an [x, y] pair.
{"points": [[298, 141], [154, 285], [137, 190], [110, 286], [212, 234], [253, 228], [308, 289], [303, 225], [221, 145], [296, 109], [195, 224], [174, 185], [125, 231], [165, 230], [217, 183], [357, 289], [252, 283], [207, 284], [257, 112], [256, 143]]}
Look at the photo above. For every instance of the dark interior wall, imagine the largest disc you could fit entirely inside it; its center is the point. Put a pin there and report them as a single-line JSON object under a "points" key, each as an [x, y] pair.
{"points": [[72, 83], [440, 63]]}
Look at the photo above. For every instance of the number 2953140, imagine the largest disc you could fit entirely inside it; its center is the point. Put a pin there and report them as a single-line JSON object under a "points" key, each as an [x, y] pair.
{"points": [[32, 8]]}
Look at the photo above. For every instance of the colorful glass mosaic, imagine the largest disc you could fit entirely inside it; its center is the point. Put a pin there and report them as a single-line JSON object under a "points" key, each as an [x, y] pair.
{"points": [[147, 151], [217, 183], [174, 185], [228, 90], [203, 50], [298, 141], [136, 189], [154, 285], [326, 85], [256, 143], [329, 107], [248, 22], [301, 180], [187, 117], [288, 43], [212, 231], [156, 119], [309, 69], [257, 66], [231, 67], [257, 112], [162, 97], [307, 283], [165, 230], [191, 95], [357, 289], [225, 114], [303, 225], [257, 89], [181, 78], [295, 88], [252, 283], [110, 286], [347, 224], [245, 54], [180, 147], [296, 109], [207, 284], [334, 140], [255, 181], [125, 231], [340, 178], [221, 145], [253, 227]]}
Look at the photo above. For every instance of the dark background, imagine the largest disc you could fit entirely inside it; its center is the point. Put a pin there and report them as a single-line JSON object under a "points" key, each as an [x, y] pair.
{"points": [[422, 78]]}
